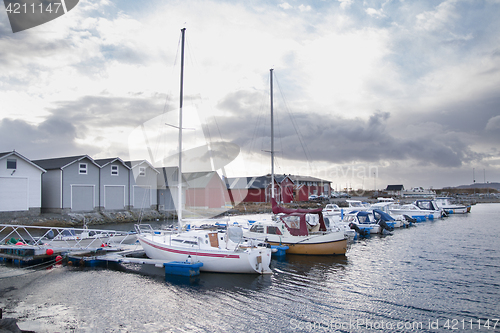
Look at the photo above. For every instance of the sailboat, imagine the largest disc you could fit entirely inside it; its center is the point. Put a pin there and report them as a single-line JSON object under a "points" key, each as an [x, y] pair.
{"points": [[221, 251], [302, 230]]}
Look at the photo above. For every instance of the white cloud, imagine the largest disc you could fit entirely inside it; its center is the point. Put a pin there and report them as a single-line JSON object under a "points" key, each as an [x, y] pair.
{"points": [[375, 13], [440, 18], [345, 3], [493, 124], [285, 5], [304, 8]]}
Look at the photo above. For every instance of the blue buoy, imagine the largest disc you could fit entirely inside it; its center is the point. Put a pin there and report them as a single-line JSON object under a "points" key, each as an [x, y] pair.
{"points": [[182, 268], [280, 250]]}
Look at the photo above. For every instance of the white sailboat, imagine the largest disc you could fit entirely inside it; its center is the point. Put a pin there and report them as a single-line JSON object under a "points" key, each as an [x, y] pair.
{"points": [[303, 231], [218, 251]]}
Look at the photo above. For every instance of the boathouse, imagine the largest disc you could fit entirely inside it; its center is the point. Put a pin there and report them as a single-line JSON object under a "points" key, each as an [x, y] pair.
{"points": [[20, 185], [71, 184], [114, 184], [143, 185]]}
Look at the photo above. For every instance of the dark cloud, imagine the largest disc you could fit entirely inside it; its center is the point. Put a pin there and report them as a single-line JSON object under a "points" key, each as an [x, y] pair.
{"points": [[340, 140], [74, 121]]}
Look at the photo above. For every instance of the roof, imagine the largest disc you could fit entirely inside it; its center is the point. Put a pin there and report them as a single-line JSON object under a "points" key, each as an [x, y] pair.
{"points": [[105, 161], [168, 176], [395, 188], [62, 162], [133, 164], [7, 154], [199, 179]]}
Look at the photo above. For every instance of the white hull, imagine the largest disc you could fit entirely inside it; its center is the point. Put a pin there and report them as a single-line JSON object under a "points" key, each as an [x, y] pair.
{"points": [[253, 260]]}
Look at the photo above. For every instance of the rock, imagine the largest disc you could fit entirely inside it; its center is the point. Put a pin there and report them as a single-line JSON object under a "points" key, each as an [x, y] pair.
{"points": [[9, 325]]}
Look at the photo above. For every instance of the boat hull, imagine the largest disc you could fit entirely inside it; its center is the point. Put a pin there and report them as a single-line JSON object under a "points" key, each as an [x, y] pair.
{"points": [[254, 261], [317, 249]]}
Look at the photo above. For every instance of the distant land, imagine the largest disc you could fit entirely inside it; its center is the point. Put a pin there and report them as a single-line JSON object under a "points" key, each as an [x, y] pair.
{"points": [[495, 186]]}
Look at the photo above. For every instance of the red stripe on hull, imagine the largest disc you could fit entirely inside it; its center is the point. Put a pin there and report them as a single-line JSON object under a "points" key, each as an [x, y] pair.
{"points": [[204, 254]]}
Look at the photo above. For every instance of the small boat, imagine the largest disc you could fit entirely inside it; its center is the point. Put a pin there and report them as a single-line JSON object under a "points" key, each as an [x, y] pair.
{"points": [[302, 230], [449, 206], [370, 222], [357, 205], [332, 210], [431, 208], [219, 251]]}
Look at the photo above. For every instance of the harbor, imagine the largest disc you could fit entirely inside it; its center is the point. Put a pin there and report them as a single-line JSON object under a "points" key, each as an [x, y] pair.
{"points": [[442, 271]]}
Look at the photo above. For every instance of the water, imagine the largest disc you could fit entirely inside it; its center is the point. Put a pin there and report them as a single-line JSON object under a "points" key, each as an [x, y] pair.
{"points": [[440, 276]]}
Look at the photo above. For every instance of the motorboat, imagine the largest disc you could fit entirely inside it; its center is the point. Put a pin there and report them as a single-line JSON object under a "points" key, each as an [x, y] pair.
{"points": [[449, 206], [219, 250], [332, 210], [431, 209], [357, 205], [370, 222], [302, 230]]}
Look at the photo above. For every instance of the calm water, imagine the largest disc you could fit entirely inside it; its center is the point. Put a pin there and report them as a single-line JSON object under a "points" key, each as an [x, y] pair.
{"points": [[440, 276]]}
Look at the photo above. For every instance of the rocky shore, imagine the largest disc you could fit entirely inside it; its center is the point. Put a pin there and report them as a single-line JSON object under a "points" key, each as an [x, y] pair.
{"points": [[90, 219]]}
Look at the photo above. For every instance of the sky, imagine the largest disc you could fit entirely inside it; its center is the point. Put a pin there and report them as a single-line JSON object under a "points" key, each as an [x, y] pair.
{"points": [[366, 93]]}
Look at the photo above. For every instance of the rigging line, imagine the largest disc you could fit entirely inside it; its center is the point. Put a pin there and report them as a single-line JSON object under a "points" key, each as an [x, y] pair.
{"points": [[299, 134]]}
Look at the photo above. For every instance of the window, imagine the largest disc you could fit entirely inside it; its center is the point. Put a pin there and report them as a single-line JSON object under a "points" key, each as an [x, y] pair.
{"points": [[273, 230], [142, 171], [114, 170], [82, 169], [11, 164], [257, 228]]}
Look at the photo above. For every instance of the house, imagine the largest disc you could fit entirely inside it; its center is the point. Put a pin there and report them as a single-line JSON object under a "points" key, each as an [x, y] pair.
{"points": [[253, 189], [20, 184], [71, 184], [114, 184], [394, 190], [205, 190], [143, 185], [168, 188], [306, 185]]}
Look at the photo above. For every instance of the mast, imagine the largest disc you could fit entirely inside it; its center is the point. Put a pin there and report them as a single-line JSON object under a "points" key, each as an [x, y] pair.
{"points": [[179, 176], [272, 136]]}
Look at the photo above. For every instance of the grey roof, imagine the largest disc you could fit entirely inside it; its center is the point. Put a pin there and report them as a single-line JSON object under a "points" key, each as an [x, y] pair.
{"points": [[133, 164], [61, 162], [105, 161], [395, 188], [168, 176], [307, 179]]}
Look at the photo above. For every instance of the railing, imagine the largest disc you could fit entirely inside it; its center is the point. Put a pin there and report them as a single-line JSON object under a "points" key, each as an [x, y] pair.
{"points": [[65, 238]]}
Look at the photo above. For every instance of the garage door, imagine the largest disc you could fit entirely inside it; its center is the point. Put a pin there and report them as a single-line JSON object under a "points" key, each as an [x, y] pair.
{"points": [[141, 197], [13, 194], [114, 197], [82, 197]]}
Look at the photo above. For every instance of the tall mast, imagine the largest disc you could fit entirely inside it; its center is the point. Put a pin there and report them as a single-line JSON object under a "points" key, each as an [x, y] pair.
{"points": [[272, 136], [179, 177]]}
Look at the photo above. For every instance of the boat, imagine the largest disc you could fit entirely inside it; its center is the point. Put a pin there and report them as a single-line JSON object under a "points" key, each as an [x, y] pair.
{"points": [[221, 251], [357, 205], [370, 222], [332, 210], [449, 206], [303, 231], [430, 207]]}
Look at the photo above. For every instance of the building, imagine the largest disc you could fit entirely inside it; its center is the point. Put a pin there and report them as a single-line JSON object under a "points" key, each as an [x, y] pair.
{"points": [[71, 184], [394, 190], [206, 190], [143, 185], [20, 184], [114, 184]]}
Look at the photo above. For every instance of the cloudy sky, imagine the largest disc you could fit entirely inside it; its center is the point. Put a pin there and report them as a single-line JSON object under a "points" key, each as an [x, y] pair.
{"points": [[367, 93]]}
